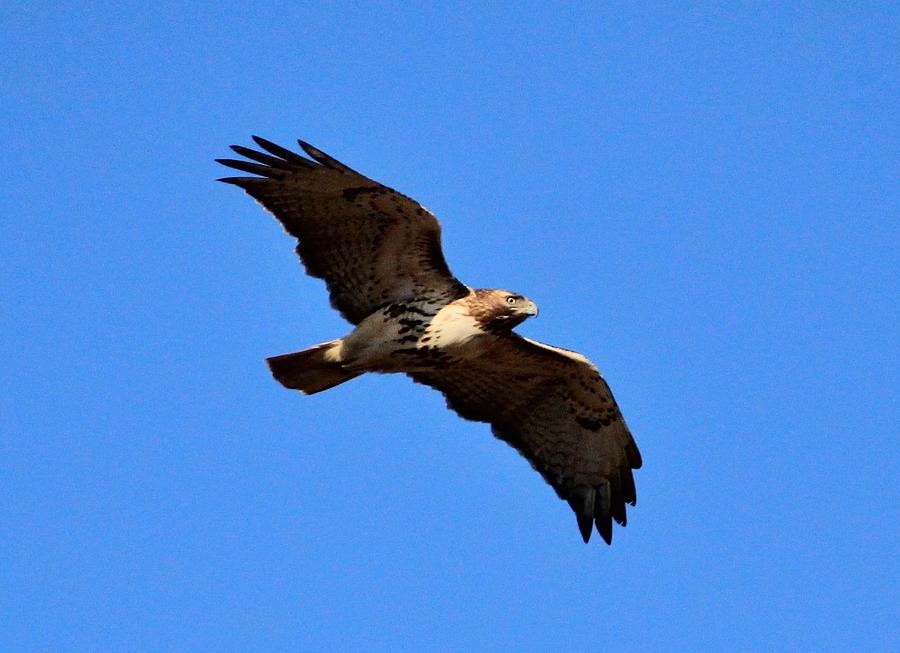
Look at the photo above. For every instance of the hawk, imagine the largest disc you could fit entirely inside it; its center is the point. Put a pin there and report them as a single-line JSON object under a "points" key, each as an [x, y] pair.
{"points": [[379, 253]]}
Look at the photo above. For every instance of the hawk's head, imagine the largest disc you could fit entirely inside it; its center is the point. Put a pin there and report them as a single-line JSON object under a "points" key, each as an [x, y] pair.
{"points": [[500, 309]]}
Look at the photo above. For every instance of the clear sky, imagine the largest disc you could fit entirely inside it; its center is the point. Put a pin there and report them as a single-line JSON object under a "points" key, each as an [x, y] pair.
{"points": [[703, 200]]}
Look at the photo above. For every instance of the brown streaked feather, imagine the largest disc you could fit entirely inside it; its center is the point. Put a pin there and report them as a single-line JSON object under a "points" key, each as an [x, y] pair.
{"points": [[553, 406], [372, 245]]}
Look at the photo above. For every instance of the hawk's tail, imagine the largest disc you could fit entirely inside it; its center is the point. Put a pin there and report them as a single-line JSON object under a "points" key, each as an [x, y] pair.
{"points": [[311, 370]]}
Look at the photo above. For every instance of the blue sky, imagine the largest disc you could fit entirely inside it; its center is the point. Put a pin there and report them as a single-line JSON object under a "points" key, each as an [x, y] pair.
{"points": [[703, 200]]}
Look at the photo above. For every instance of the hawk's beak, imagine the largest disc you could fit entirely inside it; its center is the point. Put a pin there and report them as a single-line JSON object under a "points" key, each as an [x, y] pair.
{"points": [[531, 309]]}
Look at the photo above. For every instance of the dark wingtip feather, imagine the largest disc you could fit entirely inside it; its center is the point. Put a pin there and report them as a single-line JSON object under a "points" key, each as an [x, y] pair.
{"points": [[283, 152], [629, 492], [586, 527], [266, 159], [633, 456], [617, 500], [243, 182], [603, 512], [323, 158], [582, 503], [312, 150], [253, 168], [604, 527]]}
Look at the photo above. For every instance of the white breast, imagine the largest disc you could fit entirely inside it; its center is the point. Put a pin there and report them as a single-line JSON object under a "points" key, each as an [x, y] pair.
{"points": [[452, 327]]}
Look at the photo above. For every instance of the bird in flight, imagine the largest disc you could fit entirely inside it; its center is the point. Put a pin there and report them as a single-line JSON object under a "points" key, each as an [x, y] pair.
{"points": [[379, 253]]}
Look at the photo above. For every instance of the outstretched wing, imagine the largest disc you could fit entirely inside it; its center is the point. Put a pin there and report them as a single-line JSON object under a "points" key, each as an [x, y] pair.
{"points": [[555, 408], [371, 245]]}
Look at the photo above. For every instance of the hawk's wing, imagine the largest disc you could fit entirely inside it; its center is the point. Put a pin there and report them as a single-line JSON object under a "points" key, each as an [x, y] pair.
{"points": [[371, 245], [555, 408]]}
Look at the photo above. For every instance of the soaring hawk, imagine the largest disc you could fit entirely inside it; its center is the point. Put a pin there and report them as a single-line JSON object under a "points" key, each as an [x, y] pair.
{"points": [[380, 255]]}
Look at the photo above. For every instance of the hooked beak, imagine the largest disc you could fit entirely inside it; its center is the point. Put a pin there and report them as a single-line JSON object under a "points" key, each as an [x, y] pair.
{"points": [[530, 309]]}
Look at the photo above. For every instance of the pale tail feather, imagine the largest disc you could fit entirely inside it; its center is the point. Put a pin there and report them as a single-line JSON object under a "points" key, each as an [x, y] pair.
{"points": [[311, 370]]}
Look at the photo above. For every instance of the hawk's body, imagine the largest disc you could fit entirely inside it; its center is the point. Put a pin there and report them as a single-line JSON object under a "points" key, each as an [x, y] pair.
{"points": [[380, 255]]}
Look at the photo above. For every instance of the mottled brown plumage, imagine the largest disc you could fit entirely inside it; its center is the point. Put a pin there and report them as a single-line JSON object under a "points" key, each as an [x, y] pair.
{"points": [[380, 255], [368, 242]]}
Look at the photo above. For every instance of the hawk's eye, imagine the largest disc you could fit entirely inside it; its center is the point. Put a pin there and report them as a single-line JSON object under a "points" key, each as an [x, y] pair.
{"points": [[511, 300]]}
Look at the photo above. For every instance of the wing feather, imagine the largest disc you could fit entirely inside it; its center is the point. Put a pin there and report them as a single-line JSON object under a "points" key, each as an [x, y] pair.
{"points": [[372, 245], [555, 408]]}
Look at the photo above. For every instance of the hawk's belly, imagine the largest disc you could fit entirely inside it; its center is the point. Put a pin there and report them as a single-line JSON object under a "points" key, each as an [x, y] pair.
{"points": [[394, 341]]}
